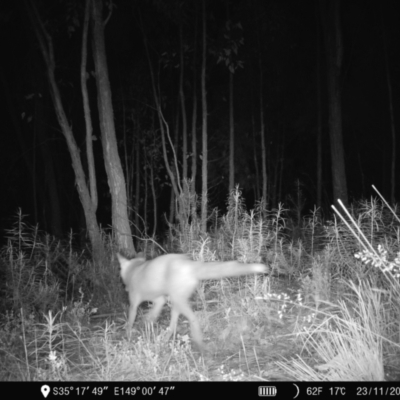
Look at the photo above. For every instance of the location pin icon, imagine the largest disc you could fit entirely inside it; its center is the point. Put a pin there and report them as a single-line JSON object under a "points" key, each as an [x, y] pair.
{"points": [[45, 390]]}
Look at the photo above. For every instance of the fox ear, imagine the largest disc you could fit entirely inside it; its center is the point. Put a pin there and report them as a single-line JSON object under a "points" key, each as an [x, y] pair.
{"points": [[120, 257]]}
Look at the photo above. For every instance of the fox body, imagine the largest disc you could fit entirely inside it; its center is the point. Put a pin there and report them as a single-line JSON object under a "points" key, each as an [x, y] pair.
{"points": [[175, 275]]}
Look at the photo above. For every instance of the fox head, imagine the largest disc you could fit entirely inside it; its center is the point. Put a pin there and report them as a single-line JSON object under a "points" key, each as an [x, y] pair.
{"points": [[127, 266]]}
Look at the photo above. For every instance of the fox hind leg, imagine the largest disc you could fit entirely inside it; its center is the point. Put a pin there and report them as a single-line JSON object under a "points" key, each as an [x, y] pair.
{"points": [[182, 307], [174, 321]]}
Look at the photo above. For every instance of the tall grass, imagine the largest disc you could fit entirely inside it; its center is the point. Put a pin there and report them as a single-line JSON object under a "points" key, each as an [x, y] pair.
{"points": [[329, 308], [358, 339]]}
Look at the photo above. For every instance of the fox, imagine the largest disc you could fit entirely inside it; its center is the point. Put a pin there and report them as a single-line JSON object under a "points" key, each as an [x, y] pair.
{"points": [[176, 276]]}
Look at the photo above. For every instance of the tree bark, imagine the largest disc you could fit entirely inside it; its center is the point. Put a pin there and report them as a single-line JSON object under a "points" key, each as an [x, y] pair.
{"points": [[183, 108], [334, 55], [137, 184], [255, 150], [86, 109], [204, 128], [115, 174], [231, 118], [319, 116], [391, 113], [262, 126], [46, 48], [153, 192], [194, 114], [263, 147], [231, 136]]}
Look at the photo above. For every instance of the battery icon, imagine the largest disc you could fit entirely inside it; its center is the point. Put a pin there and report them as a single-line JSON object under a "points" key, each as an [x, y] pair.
{"points": [[267, 391]]}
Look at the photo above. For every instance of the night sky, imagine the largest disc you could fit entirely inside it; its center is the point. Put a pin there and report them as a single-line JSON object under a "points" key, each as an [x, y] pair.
{"points": [[281, 36]]}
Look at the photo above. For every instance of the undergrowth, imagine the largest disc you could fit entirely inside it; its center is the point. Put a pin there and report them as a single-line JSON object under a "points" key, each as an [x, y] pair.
{"points": [[329, 309]]}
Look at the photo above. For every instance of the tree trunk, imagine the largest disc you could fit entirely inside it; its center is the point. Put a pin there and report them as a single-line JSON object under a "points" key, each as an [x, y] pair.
{"points": [[175, 212], [254, 137], [391, 113], [204, 128], [194, 142], [153, 192], [146, 196], [231, 118], [164, 128], [115, 174], [255, 149], [263, 147], [262, 125], [86, 108], [183, 109], [46, 47], [194, 114], [137, 184], [128, 166], [334, 55], [282, 164], [319, 117], [172, 206], [231, 136]]}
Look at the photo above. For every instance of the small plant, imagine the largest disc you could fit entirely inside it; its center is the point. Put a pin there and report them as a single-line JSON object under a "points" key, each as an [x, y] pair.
{"points": [[81, 311], [380, 261]]}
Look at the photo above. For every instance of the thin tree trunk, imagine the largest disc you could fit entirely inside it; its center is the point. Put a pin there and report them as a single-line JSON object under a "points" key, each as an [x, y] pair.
{"points": [[153, 192], [263, 147], [46, 47], [255, 147], [194, 142], [34, 164], [319, 116], [204, 128], [231, 120], [146, 196], [173, 210], [274, 178], [183, 109], [231, 136], [128, 176], [262, 125], [172, 206], [115, 174], [391, 113], [334, 53], [282, 164], [194, 114], [86, 109], [164, 128], [254, 136], [137, 188]]}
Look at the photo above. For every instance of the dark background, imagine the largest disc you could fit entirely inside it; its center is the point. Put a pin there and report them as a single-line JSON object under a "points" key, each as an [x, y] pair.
{"points": [[32, 146]]}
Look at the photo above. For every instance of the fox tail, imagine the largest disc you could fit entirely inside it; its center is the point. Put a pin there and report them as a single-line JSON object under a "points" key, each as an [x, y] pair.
{"points": [[218, 270]]}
